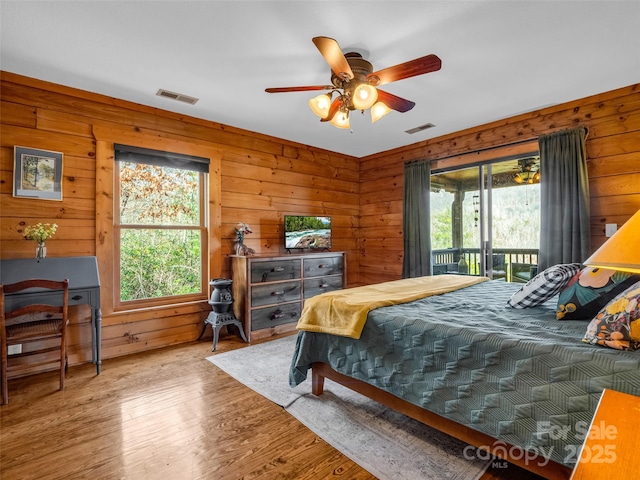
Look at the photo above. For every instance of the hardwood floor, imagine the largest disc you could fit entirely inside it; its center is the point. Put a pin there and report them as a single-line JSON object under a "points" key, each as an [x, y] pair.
{"points": [[163, 414]]}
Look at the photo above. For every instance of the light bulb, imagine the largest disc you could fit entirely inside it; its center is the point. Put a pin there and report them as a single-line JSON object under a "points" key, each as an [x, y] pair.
{"points": [[320, 105], [341, 119], [378, 111], [364, 96]]}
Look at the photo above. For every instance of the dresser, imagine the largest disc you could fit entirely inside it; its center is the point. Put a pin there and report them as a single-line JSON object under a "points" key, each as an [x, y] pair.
{"points": [[269, 291]]}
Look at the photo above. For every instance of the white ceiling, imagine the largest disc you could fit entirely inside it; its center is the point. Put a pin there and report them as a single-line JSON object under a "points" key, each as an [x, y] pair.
{"points": [[499, 58]]}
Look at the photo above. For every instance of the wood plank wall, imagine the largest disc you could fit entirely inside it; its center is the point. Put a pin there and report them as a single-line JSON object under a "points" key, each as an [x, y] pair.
{"points": [[261, 178], [613, 152]]}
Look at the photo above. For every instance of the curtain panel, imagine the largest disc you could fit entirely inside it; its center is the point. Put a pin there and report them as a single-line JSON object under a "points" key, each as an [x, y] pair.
{"points": [[565, 234], [416, 221]]}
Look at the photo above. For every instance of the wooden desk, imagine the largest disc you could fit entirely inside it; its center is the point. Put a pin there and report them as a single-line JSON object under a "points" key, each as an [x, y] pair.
{"points": [[610, 449], [84, 287]]}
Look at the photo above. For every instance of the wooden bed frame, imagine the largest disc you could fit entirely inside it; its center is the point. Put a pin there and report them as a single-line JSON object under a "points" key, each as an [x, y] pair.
{"points": [[534, 463]]}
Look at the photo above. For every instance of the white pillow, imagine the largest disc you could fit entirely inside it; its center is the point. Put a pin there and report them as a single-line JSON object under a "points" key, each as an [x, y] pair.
{"points": [[544, 285]]}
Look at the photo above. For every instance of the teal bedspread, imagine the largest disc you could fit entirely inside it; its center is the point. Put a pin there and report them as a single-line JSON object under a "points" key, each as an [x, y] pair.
{"points": [[521, 376]]}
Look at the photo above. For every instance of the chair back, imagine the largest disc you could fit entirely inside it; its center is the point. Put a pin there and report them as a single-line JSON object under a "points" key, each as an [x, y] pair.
{"points": [[498, 260], [33, 324], [24, 314]]}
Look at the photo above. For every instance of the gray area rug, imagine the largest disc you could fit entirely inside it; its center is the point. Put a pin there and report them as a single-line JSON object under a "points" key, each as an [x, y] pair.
{"points": [[387, 444]]}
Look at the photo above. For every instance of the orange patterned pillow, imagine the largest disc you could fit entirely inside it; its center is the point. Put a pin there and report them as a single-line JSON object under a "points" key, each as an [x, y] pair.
{"points": [[617, 325]]}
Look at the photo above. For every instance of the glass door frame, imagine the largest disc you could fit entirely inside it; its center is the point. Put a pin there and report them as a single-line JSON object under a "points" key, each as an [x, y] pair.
{"points": [[485, 181]]}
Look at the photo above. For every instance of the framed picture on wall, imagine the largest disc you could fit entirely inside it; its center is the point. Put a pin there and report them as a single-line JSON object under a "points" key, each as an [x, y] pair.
{"points": [[37, 173]]}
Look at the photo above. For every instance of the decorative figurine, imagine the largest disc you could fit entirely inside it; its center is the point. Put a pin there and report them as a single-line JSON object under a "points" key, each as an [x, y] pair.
{"points": [[241, 249]]}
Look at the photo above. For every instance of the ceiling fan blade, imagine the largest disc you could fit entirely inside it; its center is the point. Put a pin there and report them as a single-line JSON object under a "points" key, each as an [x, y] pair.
{"points": [[412, 68], [332, 53], [333, 109], [299, 89], [394, 102]]}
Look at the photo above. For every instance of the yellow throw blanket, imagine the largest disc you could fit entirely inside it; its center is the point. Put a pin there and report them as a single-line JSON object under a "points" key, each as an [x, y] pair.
{"points": [[344, 312]]}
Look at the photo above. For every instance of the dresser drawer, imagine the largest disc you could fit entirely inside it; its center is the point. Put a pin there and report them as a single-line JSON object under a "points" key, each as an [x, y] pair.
{"points": [[275, 315], [315, 267], [274, 271], [275, 293], [318, 285]]}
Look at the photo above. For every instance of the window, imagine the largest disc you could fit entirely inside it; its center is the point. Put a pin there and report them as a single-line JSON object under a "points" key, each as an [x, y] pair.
{"points": [[160, 226]]}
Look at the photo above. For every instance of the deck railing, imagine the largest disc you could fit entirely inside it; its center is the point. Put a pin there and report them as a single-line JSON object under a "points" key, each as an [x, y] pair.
{"points": [[513, 264]]}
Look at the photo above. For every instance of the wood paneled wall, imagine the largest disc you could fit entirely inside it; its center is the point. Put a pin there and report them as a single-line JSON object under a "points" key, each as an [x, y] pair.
{"points": [[613, 153], [261, 179]]}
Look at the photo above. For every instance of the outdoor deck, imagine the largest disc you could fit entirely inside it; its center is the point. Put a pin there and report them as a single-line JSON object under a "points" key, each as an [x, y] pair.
{"points": [[512, 264]]}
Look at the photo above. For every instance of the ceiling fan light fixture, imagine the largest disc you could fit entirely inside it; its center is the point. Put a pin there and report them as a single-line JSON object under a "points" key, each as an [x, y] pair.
{"points": [[364, 96], [320, 105], [529, 171], [354, 80], [378, 111], [341, 119]]}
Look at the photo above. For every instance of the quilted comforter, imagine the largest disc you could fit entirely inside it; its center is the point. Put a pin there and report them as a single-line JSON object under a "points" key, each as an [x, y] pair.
{"points": [[520, 376]]}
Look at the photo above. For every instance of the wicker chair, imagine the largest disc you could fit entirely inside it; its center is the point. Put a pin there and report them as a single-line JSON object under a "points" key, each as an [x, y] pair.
{"points": [[499, 266], [38, 328], [523, 272]]}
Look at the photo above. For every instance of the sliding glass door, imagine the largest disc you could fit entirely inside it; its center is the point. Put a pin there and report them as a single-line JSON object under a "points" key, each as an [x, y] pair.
{"points": [[485, 220], [456, 221]]}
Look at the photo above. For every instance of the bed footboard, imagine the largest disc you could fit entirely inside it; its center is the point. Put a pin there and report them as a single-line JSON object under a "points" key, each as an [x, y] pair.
{"points": [[534, 463]]}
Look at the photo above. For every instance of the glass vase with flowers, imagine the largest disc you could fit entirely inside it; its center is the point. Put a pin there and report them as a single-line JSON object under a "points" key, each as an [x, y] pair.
{"points": [[40, 232]]}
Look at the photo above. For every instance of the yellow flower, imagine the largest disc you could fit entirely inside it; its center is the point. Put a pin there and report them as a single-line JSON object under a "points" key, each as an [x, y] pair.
{"points": [[634, 330], [40, 231], [618, 306]]}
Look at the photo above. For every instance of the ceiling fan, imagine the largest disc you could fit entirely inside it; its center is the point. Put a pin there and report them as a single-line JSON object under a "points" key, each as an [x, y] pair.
{"points": [[527, 171], [355, 84]]}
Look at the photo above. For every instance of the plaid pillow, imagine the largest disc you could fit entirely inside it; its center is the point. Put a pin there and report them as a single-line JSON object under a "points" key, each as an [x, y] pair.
{"points": [[544, 285]]}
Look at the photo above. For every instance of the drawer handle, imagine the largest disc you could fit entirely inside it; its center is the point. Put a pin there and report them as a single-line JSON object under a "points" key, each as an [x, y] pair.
{"points": [[278, 292], [76, 297], [277, 269], [322, 265], [324, 285], [277, 314]]}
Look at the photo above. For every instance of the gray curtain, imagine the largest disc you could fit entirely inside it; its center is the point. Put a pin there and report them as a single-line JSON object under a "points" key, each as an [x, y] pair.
{"points": [[416, 224], [565, 235]]}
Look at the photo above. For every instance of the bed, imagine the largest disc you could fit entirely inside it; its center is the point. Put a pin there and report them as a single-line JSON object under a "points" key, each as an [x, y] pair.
{"points": [[515, 382]]}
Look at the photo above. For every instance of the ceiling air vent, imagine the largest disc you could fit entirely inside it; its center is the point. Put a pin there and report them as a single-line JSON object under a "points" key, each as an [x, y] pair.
{"points": [[420, 128], [177, 96]]}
